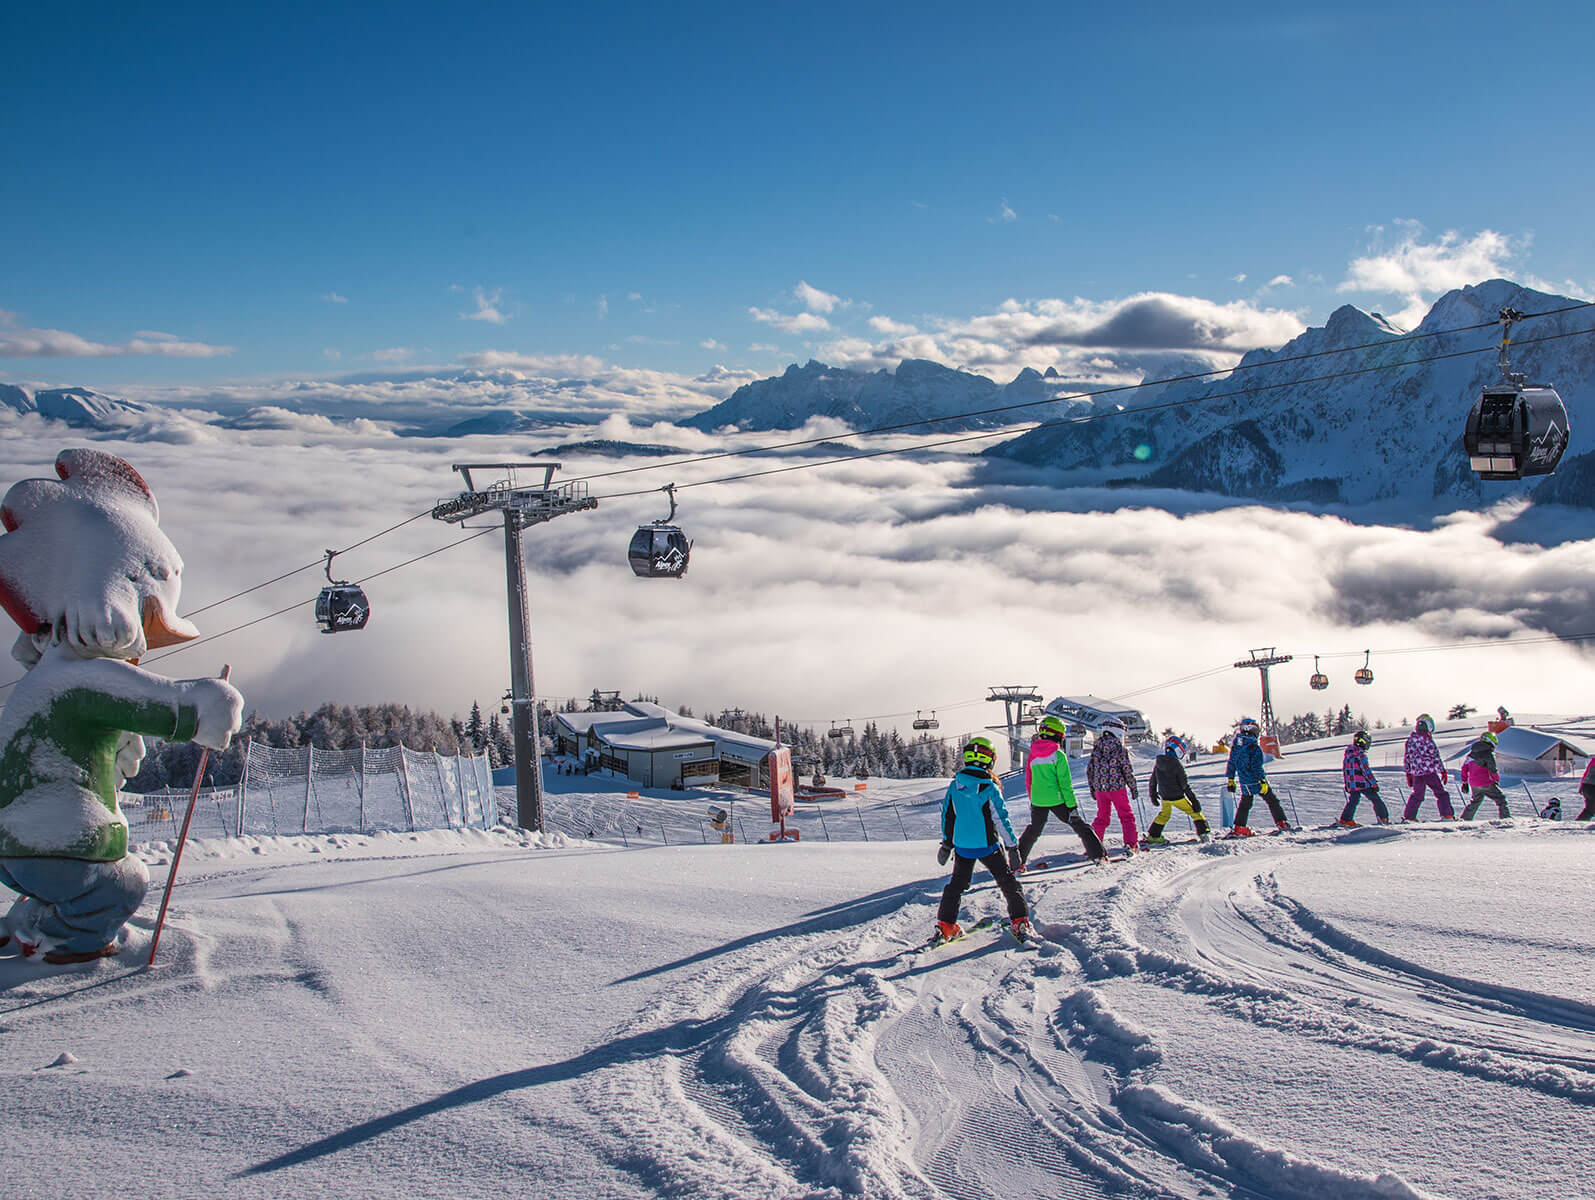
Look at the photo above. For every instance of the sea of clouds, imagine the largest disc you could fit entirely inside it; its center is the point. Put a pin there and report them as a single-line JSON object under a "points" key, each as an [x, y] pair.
{"points": [[877, 587]]}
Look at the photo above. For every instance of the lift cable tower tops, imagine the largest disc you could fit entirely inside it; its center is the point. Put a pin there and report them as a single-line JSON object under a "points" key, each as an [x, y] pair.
{"points": [[1260, 661], [1014, 697], [522, 503]]}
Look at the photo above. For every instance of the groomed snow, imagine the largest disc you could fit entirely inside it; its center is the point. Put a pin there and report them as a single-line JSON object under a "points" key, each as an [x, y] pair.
{"points": [[1371, 1013]]}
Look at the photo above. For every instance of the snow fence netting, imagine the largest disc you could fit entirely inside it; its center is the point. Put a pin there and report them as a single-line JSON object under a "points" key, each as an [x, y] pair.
{"points": [[305, 790]]}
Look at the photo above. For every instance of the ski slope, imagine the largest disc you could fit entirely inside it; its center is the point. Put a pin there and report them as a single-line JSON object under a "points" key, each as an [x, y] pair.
{"points": [[1384, 1012]]}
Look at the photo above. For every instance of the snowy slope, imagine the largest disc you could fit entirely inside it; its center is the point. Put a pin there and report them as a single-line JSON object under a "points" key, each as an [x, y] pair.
{"points": [[1371, 436], [462, 1015], [75, 406]]}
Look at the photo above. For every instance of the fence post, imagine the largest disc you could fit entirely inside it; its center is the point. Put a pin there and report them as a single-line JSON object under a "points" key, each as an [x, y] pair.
{"points": [[820, 812], [404, 788], [310, 763], [243, 789], [362, 787], [858, 808], [901, 827]]}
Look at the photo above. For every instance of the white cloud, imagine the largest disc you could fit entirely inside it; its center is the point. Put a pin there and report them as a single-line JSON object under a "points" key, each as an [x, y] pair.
{"points": [[891, 328], [764, 348], [1241, 278], [603, 307], [803, 322], [1281, 281], [486, 307], [711, 344], [1005, 214], [1417, 270], [395, 354], [813, 299], [634, 296], [7, 318], [334, 298], [58, 343]]}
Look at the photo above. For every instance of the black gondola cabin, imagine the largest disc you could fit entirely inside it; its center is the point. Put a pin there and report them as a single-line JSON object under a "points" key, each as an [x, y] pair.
{"points": [[1516, 431], [342, 607], [659, 551]]}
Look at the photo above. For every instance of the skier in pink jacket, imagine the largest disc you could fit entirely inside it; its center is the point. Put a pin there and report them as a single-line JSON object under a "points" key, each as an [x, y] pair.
{"points": [[1481, 775], [1425, 770], [1112, 783]]}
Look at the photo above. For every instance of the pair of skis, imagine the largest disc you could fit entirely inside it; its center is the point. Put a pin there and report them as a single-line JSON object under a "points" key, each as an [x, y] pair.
{"points": [[1021, 941]]}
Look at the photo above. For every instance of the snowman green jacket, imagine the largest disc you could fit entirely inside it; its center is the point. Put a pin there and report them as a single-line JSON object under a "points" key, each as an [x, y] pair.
{"points": [[58, 737]]}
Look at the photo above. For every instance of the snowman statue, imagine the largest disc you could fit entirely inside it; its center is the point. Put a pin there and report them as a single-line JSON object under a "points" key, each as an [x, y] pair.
{"points": [[87, 574]]}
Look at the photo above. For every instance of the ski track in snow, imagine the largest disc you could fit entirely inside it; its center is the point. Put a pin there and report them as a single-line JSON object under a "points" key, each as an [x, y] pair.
{"points": [[843, 1064]]}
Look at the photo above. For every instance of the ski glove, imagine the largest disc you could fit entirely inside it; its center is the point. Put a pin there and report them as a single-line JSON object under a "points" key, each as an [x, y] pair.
{"points": [[1229, 785], [1263, 789], [943, 853], [1015, 863]]}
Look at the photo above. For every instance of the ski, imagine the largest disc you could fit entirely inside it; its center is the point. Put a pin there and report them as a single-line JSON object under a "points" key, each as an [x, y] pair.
{"points": [[936, 941], [1167, 842]]}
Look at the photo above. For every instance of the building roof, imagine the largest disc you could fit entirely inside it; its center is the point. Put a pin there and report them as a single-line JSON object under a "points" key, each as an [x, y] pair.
{"points": [[1525, 741], [1092, 711], [644, 726]]}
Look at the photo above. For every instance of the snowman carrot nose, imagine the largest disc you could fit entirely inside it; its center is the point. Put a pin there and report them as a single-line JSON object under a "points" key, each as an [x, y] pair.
{"points": [[163, 630]]}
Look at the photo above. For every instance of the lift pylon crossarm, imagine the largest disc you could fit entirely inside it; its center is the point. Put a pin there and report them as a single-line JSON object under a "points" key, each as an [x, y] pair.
{"points": [[532, 503]]}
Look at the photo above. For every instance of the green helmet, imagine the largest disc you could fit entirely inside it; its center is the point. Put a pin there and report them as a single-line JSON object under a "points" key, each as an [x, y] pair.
{"points": [[1050, 727], [979, 752], [1489, 736], [1361, 740]]}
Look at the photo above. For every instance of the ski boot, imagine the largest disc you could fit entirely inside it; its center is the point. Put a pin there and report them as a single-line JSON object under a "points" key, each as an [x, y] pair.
{"points": [[1202, 833], [1240, 831], [58, 957], [1346, 821], [1282, 826], [1020, 928], [1156, 839], [946, 931]]}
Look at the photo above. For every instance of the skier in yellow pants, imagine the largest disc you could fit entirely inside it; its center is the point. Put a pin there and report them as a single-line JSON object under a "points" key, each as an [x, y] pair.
{"points": [[1170, 784]]}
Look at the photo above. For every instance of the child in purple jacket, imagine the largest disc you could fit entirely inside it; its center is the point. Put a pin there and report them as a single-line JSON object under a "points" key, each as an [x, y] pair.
{"points": [[1112, 783], [1425, 770], [1358, 777]]}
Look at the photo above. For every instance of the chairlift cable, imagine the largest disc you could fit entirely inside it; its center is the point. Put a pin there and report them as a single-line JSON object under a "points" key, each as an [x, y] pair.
{"points": [[1074, 396], [1008, 431]]}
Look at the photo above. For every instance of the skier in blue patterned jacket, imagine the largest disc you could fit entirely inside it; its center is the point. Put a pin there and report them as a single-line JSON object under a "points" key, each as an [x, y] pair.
{"points": [[975, 828], [1245, 766], [1358, 777]]}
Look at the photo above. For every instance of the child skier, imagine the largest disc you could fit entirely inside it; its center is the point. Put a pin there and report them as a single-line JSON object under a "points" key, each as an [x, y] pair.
{"points": [[1359, 781], [1051, 791], [1245, 766], [1169, 787], [1112, 782], [1481, 775], [1421, 759], [975, 828], [1586, 788]]}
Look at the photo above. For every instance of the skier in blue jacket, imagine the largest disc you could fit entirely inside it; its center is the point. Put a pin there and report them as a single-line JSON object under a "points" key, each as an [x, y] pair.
{"points": [[1246, 767], [975, 828]]}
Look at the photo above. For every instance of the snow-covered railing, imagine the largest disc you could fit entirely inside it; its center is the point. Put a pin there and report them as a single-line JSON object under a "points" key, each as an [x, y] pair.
{"points": [[305, 790]]}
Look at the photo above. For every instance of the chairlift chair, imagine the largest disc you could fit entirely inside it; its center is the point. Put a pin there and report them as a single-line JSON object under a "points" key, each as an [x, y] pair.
{"points": [[1515, 430], [840, 731], [1365, 672], [923, 722], [341, 605], [660, 550], [1319, 680]]}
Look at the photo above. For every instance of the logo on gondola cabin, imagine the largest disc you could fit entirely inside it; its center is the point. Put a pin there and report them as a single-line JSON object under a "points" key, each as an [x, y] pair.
{"points": [[672, 562], [1548, 447]]}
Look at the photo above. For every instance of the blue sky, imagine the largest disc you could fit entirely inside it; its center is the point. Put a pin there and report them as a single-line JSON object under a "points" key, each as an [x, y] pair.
{"points": [[200, 193]]}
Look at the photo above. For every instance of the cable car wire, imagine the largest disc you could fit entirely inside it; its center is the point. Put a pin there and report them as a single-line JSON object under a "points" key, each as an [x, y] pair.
{"points": [[1065, 397]]}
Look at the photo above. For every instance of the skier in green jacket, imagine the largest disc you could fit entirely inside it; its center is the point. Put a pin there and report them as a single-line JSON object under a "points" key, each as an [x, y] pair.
{"points": [[1051, 791]]}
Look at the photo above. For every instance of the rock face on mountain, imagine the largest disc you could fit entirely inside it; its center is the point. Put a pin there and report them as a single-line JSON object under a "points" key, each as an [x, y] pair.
{"points": [[917, 391], [78, 407], [1354, 411]]}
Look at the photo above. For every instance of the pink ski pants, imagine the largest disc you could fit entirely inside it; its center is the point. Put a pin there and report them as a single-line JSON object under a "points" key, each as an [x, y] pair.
{"points": [[1120, 802]]}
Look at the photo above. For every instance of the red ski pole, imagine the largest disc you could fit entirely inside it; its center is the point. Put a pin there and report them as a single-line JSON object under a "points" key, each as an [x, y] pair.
{"points": [[177, 854]]}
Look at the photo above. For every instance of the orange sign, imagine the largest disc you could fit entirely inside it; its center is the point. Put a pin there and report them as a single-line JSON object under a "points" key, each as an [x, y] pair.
{"points": [[781, 788]]}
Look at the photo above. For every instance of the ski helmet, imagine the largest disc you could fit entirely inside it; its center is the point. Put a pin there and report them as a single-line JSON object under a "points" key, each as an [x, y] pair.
{"points": [[1249, 727], [1424, 723], [1050, 727], [979, 752], [1112, 725], [1361, 740], [1175, 745], [1489, 736]]}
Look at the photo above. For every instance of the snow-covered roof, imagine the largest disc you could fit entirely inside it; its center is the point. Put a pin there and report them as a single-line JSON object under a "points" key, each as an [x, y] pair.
{"points": [[1524, 741], [1092, 711], [645, 726]]}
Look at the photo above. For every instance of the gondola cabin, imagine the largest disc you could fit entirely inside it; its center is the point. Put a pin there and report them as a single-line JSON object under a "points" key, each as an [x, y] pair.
{"points": [[923, 722], [659, 552], [341, 607], [1319, 681], [1364, 675], [1516, 431]]}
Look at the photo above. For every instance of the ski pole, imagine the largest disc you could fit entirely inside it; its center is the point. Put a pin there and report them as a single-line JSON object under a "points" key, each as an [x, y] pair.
{"points": [[1293, 811], [177, 854]]}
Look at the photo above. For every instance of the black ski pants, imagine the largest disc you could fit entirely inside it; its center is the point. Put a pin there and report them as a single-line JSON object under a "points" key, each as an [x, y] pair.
{"points": [[1480, 795], [1071, 817], [1243, 809], [1356, 794], [1587, 790], [964, 871]]}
